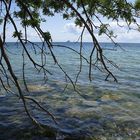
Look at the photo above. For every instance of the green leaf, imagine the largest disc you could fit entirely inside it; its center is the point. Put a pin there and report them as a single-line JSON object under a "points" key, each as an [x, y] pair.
{"points": [[47, 36], [78, 22], [1, 21], [137, 4], [103, 29], [17, 34]]}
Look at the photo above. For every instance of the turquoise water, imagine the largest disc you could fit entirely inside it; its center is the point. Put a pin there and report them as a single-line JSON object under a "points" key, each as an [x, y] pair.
{"points": [[106, 110]]}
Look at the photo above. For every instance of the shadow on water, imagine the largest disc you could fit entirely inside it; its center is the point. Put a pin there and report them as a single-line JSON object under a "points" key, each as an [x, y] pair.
{"points": [[100, 115]]}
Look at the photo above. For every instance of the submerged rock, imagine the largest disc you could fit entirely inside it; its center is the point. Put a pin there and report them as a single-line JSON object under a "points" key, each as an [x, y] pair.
{"points": [[108, 97], [39, 88]]}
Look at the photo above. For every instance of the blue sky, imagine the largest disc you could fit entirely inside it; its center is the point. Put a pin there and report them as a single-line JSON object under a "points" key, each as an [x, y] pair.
{"points": [[63, 30], [66, 30]]}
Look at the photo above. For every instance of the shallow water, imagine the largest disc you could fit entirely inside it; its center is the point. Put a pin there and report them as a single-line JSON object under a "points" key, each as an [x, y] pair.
{"points": [[106, 110]]}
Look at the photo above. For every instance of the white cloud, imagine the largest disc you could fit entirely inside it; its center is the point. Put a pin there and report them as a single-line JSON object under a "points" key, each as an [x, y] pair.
{"points": [[72, 28], [123, 33]]}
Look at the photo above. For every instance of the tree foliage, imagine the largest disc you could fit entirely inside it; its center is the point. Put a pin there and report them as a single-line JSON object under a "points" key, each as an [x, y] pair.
{"points": [[31, 13]]}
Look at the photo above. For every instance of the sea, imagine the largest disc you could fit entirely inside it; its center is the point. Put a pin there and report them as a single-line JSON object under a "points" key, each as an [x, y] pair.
{"points": [[94, 110]]}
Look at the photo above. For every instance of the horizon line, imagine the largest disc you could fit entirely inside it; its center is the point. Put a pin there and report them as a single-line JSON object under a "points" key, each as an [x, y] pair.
{"points": [[76, 42]]}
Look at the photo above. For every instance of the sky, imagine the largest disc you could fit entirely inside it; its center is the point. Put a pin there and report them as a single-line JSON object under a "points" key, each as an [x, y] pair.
{"points": [[64, 30]]}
